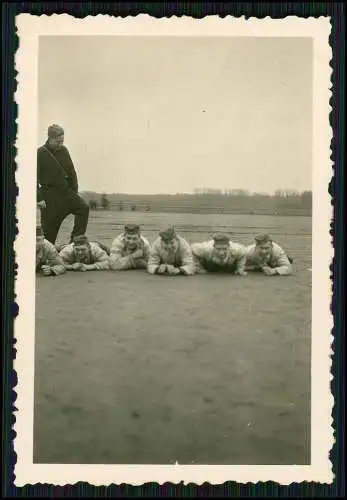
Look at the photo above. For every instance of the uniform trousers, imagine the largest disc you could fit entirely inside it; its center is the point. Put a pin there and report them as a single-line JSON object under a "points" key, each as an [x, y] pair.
{"points": [[60, 204]]}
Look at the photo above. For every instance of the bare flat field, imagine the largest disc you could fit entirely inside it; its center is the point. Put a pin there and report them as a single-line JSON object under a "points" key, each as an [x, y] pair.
{"points": [[132, 368]]}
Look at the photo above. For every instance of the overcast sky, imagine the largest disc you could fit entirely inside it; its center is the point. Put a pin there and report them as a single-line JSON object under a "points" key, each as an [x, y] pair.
{"points": [[169, 114]]}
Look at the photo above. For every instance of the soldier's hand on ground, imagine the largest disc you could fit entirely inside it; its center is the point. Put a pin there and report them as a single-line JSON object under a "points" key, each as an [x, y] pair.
{"points": [[172, 270], [201, 271], [241, 273], [253, 268], [88, 267], [41, 204], [268, 271], [137, 254], [76, 266], [46, 270], [169, 269]]}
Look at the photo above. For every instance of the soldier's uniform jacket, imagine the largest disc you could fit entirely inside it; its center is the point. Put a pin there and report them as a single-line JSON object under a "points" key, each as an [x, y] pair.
{"points": [[47, 255], [276, 259], [235, 262], [55, 173], [182, 257], [121, 256], [97, 256]]}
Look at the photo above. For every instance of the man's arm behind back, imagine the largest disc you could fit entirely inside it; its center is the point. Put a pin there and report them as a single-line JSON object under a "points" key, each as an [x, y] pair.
{"points": [[71, 174]]}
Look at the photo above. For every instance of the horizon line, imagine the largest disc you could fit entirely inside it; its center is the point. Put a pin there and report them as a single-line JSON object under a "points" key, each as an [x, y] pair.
{"points": [[263, 193]]}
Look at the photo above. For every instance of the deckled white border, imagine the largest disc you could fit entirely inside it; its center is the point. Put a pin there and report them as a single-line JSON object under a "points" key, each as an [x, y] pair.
{"points": [[29, 28]]}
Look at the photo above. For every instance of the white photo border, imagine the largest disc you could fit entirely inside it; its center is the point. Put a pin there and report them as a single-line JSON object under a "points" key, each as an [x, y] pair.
{"points": [[30, 27]]}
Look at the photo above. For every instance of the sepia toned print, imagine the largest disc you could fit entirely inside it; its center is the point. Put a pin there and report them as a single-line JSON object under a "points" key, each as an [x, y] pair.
{"points": [[194, 155]]}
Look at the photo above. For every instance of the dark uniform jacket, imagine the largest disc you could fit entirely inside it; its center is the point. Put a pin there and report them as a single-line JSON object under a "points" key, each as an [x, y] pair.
{"points": [[56, 173]]}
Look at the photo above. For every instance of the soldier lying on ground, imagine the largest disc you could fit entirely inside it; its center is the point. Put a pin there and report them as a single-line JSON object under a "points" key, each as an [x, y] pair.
{"points": [[48, 260], [84, 255], [130, 250], [171, 255], [219, 255], [268, 257]]}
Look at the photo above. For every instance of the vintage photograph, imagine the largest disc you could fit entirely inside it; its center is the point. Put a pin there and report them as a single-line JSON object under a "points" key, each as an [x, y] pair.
{"points": [[175, 198]]}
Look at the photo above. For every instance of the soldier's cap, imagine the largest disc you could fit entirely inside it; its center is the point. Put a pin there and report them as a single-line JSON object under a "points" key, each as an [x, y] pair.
{"points": [[168, 234], [80, 240], [39, 231], [131, 228], [262, 238], [220, 238], [54, 131]]}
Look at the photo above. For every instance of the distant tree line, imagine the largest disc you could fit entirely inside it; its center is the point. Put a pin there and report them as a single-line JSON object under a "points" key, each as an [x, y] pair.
{"points": [[292, 194], [207, 201], [103, 204]]}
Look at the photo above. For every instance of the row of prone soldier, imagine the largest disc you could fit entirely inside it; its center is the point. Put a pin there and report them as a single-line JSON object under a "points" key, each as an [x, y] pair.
{"points": [[170, 254]]}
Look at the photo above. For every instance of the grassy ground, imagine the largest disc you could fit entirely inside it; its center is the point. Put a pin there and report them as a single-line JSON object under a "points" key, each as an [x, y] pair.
{"points": [[133, 368]]}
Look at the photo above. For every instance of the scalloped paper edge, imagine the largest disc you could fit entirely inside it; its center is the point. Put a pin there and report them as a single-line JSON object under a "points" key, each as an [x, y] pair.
{"points": [[30, 27]]}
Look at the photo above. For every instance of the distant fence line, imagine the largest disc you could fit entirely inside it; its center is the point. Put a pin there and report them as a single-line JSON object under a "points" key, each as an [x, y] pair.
{"points": [[204, 210], [195, 204], [211, 229]]}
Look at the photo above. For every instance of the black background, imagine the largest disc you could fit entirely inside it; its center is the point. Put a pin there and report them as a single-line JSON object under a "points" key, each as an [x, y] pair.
{"points": [[8, 199]]}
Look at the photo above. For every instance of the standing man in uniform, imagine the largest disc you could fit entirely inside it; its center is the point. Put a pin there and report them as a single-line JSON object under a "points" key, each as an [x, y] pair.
{"points": [[57, 187]]}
